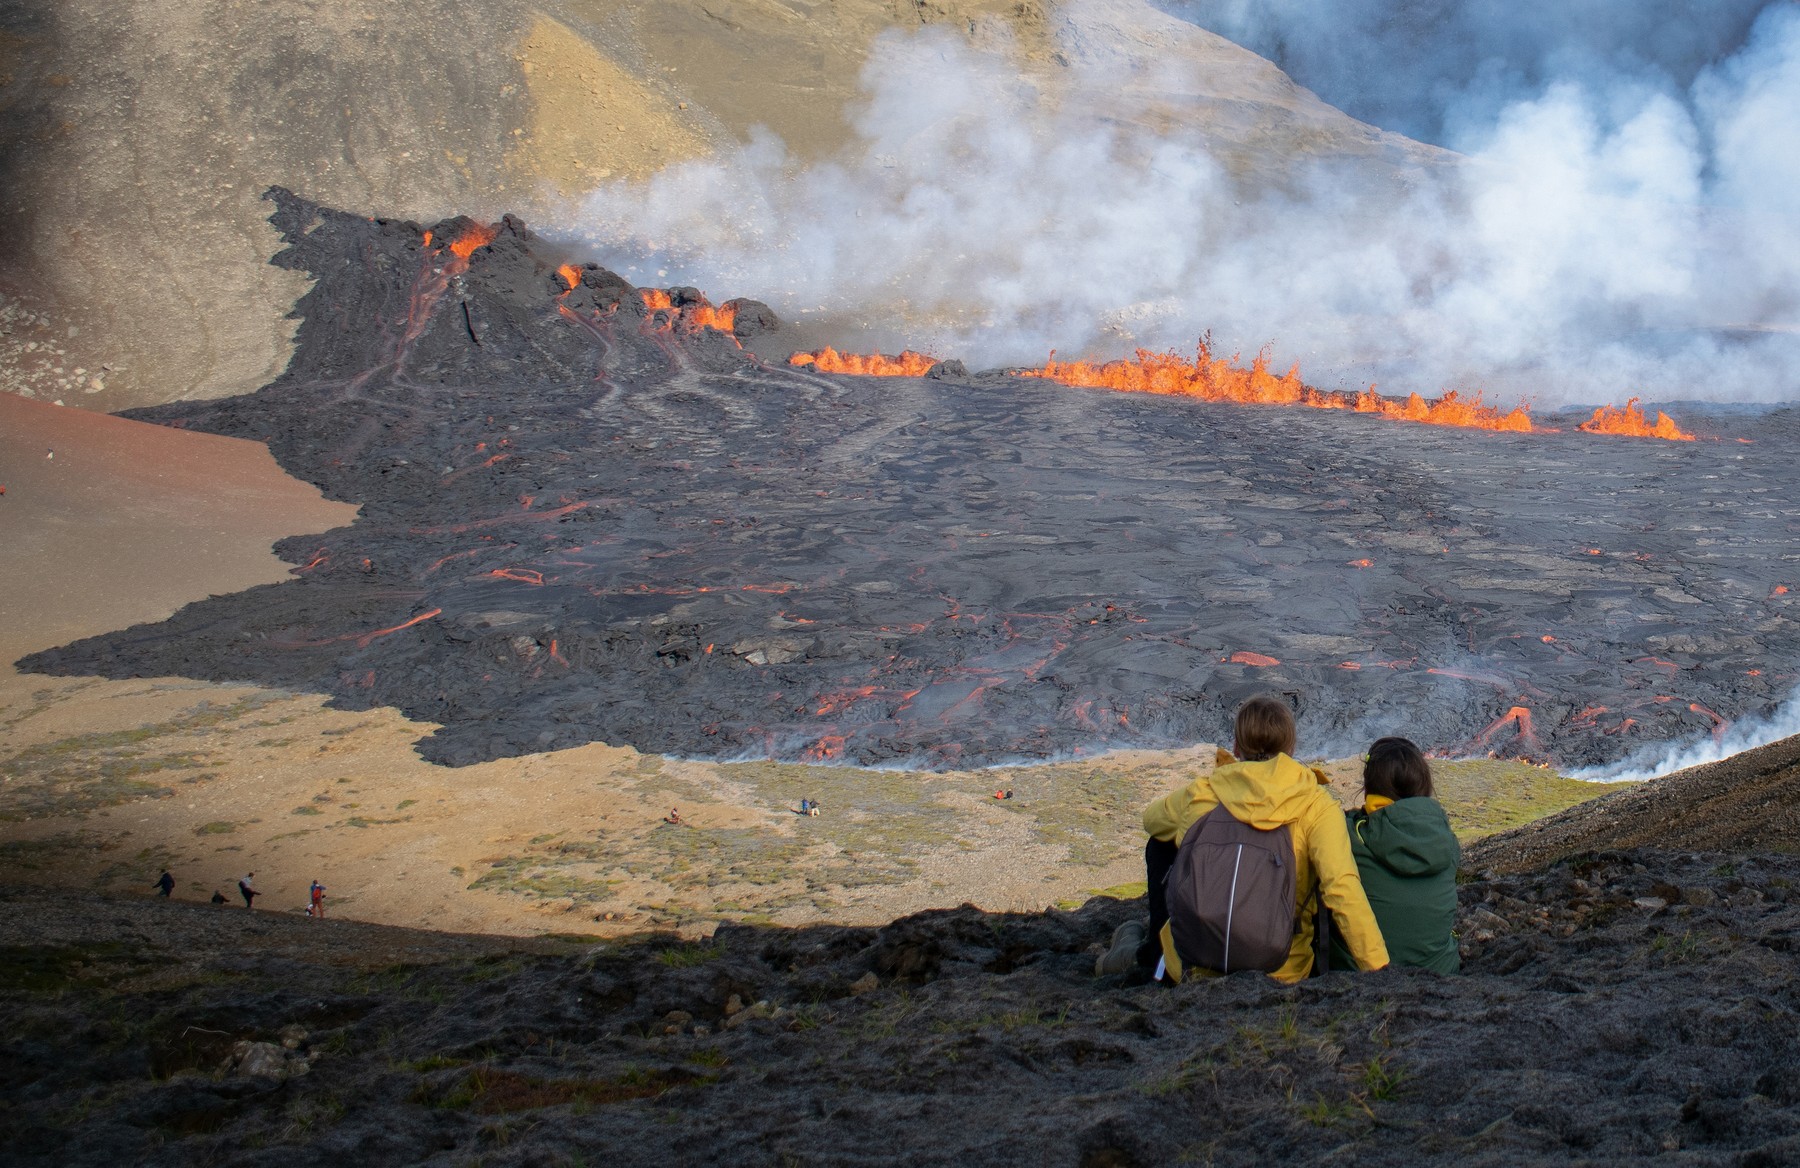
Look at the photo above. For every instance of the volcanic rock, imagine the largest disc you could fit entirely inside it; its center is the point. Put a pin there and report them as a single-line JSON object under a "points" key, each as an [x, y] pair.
{"points": [[751, 318], [1588, 1031], [585, 518]]}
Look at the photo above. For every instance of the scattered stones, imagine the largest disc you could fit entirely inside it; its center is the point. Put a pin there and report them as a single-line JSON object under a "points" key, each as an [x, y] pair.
{"points": [[265, 1060], [1483, 925]]}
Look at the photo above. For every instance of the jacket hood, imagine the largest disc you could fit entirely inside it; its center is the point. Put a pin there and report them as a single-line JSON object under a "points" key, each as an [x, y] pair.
{"points": [[1265, 795], [1410, 838]]}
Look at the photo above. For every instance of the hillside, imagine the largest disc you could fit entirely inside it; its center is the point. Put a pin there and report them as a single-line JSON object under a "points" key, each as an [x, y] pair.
{"points": [[155, 1033], [1748, 802], [138, 137]]}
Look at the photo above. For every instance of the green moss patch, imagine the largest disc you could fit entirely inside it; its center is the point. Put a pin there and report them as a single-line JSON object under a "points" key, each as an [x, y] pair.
{"points": [[1484, 796]]}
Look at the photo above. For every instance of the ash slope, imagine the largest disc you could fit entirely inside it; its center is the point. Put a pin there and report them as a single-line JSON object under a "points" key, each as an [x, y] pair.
{"points": [[586, 520], [1616, 1008], [1750, 801]]}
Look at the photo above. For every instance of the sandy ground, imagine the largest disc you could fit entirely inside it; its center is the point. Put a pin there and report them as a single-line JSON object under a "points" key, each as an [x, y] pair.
{"points": [[102, 783]]}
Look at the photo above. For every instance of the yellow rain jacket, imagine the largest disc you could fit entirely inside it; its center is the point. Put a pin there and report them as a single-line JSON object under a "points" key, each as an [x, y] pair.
{"points": [[1266, 795]]}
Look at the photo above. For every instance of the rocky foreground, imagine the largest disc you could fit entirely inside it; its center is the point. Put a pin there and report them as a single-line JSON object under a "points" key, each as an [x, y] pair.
{"points": [[1615, 1007]]}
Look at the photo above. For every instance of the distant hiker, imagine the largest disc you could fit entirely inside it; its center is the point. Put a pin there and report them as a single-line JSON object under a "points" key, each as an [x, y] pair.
{"points": [[218, 897], [317, 894], [165, 884], [674, 816], [247, 889], [812, 806], [1407, 856], [806, 806], [1235, 860]]}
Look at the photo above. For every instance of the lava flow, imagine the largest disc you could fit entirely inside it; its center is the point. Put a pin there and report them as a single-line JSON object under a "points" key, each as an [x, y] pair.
{"points": [[1218, 379], [583, 523], [1632, 423], [829, 360]]}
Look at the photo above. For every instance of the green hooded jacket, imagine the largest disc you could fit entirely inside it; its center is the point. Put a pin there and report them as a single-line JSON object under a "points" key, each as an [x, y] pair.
{"points": [[1406, 855]]}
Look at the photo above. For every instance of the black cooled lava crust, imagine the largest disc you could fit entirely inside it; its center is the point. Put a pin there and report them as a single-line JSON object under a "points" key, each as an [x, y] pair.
{"points": [[584, 519]]}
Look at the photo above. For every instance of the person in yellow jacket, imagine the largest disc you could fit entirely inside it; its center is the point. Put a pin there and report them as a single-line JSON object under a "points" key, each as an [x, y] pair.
{"points": [[1264, 787]]}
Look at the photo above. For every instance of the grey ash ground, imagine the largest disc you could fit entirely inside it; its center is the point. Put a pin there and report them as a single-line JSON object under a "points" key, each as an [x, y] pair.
{"points": [[1616, 1007], [587, 520]]}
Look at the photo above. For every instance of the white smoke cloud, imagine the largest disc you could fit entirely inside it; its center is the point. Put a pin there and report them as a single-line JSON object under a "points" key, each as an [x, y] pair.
{"points": [[1596, 243], [1746, 734]]}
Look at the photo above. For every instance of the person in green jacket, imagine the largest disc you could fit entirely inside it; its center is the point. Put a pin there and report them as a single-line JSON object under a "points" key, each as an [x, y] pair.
{"points": [[1406, 855]]}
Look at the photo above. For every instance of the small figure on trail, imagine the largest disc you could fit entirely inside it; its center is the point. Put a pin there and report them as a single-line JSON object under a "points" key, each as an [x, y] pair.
{"points": [[812, 806], [673, 817], [1005, 793], [317, 908], [1406, 855], [1236, 860], [218, 897], [247, 889], [806, 806], [165, 884]]}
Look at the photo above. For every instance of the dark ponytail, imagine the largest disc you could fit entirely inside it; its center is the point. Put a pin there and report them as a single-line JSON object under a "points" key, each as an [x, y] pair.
{"points": [[1396, 769]]}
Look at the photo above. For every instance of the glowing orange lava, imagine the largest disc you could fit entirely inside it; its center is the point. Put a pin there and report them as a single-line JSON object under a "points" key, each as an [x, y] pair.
{"points": [[571, 275], [1631, 423], [701, 315], [1517, 717], [1246, 657], [829, 360], [1218, 379], [477, 236]]}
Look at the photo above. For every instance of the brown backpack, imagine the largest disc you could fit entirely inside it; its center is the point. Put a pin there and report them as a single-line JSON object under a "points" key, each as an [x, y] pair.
{"points": [[1231, 895]]}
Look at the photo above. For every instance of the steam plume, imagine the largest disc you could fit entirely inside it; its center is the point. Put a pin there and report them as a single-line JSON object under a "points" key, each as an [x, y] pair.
{"points": [[1627, 231]]}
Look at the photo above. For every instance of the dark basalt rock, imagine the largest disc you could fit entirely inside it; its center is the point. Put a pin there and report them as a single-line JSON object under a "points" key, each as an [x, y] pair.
{"points": [[752, 318], [587, 519], [1587, 1029]]}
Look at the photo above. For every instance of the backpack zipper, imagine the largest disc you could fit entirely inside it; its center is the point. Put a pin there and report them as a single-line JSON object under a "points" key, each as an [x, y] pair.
{"points": [[1231, 906]]}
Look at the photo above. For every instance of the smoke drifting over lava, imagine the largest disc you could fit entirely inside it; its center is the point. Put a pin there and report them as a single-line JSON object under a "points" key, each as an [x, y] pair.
{"points": [[588, 514], [1595, 243]]}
